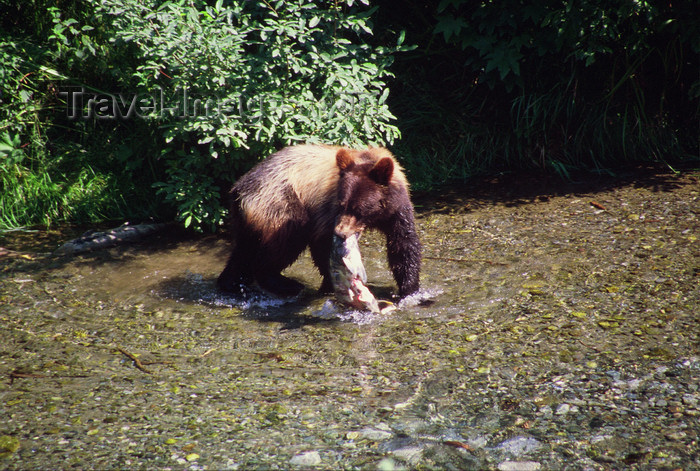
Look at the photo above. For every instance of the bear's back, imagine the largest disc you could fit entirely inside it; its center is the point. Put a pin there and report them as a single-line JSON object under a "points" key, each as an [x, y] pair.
{"points": [[306, 173], [298, 178]]}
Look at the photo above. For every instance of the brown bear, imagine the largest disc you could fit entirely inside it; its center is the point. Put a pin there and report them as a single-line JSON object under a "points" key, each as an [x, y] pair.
{"points": [[299, 197]]}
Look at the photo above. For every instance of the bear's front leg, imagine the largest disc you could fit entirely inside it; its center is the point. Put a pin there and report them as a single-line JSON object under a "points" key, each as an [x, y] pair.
{"points": [[404, 252]]}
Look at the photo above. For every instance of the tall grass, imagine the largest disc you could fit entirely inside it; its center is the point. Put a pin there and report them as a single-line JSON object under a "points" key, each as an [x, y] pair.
{"points": [[556, 131], [548, 133], [31, 197], [563, 129], [442, 139]]}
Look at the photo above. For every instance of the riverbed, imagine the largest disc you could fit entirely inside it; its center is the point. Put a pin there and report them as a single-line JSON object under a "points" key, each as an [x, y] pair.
{"points": [[557, 327]]}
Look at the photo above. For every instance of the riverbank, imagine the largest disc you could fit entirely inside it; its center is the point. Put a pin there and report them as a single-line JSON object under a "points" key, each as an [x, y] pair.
{"points": [[562, 334]]}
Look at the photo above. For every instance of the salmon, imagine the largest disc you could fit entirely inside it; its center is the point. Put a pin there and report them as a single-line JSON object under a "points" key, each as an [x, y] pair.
{"points": [[349, 277]]}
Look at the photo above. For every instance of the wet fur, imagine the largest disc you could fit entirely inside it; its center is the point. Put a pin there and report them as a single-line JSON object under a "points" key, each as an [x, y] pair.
{"points": [[294, 198]]}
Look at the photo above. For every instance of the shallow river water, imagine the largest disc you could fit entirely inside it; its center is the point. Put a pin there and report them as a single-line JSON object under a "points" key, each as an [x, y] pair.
{"points": [[558, 328]]}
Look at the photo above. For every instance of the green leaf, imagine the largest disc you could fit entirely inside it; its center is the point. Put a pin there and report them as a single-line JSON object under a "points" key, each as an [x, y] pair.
{"points": [[449, 26]]}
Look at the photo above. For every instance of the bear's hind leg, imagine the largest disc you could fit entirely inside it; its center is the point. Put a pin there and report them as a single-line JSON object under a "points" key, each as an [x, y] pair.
{"points": [[280, 285], [276, 254], [236, 274]]}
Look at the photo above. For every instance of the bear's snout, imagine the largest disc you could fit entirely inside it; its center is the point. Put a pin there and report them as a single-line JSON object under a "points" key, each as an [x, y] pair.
{"points": [[347, 225]]}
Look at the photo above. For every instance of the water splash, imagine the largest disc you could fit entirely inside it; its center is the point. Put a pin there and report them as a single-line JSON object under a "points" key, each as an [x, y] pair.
{"points": [[420, 297], [194, 288], [331, 310]]}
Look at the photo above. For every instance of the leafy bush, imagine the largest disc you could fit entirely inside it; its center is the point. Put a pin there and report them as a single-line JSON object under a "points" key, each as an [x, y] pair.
{"points": [[117, 95], [229, 83]]}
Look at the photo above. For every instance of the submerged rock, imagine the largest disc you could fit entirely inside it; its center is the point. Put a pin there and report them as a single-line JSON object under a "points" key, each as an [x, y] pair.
{"points": [[519, 466], [309, 458], [518, 446], [375, 434], [410, 454]]}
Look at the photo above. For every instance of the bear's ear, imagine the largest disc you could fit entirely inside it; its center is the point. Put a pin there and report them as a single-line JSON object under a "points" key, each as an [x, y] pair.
{"points": [[343, 159], [382, 171]]}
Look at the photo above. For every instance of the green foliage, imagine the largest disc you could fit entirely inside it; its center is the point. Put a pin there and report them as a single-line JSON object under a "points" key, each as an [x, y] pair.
{"points": [[53, 169], [247, 77], [504, 34], [201, 89], [10, 151], [29, 195]]}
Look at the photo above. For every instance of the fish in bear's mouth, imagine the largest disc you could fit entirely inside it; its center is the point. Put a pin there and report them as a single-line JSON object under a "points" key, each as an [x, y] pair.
{"points": [[349, 276]]}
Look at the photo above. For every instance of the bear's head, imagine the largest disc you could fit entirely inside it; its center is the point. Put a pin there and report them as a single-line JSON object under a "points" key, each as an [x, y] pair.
{"points": [[368, 191]]}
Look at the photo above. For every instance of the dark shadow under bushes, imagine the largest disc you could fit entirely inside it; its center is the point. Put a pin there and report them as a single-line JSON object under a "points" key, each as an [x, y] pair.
{"points": [[504, 86]]}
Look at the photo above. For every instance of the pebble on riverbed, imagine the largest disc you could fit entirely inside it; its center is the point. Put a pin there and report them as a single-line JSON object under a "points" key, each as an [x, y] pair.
{"points": [[519, 466], [308, 458], [518, 446]]}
